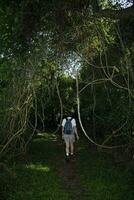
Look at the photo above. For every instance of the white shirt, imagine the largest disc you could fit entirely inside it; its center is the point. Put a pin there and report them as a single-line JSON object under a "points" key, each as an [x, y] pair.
{"points": [[72, 121]]}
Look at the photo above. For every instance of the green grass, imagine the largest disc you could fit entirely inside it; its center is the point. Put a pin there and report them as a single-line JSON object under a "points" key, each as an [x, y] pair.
{"points": [[37, 182], [102, 178], [37, 178]]}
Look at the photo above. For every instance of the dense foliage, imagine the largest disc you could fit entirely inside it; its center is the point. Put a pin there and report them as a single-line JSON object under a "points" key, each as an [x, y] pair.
{"points": [[43, 44]]}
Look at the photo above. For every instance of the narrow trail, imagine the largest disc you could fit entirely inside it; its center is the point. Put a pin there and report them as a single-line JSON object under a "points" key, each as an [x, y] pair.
{"points": [[69, 173], [66, 171]]}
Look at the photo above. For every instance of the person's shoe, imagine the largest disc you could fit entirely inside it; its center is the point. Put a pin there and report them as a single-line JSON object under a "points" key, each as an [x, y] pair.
{"points": [[67, 158], [72, 156]]}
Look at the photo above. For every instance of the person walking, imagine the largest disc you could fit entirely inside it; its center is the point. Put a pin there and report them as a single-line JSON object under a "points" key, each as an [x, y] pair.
{"points": [[69, 133]]}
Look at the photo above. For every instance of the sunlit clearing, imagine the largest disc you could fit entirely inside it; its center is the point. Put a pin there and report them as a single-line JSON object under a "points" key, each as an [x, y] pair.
{"points": [[47, 136], [38, 167]]}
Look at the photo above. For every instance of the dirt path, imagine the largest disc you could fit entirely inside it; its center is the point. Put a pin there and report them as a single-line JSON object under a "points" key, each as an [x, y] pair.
{"points": [[69, 173]]}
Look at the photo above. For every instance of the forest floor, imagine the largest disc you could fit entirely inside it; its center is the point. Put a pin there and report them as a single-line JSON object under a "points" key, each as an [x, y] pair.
{"points": [[43, 174]]}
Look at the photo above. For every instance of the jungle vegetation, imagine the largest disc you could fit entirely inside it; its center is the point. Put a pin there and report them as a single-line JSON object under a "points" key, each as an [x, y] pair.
{"points": [[57, 57]]}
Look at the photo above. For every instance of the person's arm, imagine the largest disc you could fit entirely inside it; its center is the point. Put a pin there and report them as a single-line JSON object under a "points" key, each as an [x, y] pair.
{"points": [[76, 132], [75, 128], [62, 131]]}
